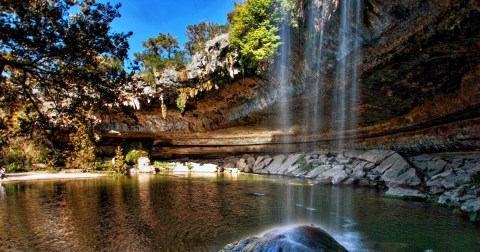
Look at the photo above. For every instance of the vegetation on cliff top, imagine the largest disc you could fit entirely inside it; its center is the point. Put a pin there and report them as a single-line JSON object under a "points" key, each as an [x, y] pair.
{"points": [[160, 52], [255, 29], [164, 51], [199, 34]]}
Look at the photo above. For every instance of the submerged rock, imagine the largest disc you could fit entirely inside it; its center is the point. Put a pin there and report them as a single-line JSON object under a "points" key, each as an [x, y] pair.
{"points": [[405, 193], [298, 238], [472, 208]]}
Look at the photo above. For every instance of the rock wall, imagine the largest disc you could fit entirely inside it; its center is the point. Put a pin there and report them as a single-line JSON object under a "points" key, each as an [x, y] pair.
{"points": [[420, 89]]}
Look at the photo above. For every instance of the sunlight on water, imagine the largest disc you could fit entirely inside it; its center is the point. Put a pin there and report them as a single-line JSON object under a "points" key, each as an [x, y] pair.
{"points": [[197, 213]]}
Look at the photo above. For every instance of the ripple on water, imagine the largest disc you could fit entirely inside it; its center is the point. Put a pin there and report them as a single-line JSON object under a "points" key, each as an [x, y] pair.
{"points": [[165, 213]]}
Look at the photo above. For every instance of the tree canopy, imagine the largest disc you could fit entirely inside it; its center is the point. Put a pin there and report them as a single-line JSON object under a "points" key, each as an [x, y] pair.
{"points": [[60, 55], [160, 52], [164, 43], [198, 34], [255, 27]]}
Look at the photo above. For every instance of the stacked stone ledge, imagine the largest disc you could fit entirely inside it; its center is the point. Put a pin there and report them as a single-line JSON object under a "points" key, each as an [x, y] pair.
{"points": [[451, 180]]}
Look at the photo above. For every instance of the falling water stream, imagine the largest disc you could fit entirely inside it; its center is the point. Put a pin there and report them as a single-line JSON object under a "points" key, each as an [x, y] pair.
{"points": [[336, 100], [348, 58], [284, 62], [332, 45], [317, 16], [282, 69]]}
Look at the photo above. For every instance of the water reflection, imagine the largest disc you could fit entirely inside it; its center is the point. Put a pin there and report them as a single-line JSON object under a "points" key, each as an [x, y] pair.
{"points": [[2, 191], [171, 212]]}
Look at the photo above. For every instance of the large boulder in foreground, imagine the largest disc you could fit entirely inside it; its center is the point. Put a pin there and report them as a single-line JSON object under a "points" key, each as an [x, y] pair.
{"points": [[297, 238]]}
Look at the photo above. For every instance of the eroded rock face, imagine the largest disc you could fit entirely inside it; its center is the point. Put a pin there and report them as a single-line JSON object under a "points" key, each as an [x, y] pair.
{"points": [[419, 82], [300, 238]]}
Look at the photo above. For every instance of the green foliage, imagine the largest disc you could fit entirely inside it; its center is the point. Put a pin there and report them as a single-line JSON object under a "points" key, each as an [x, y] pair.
{"points": [[103, 166], [119, 166], [24, 120], [199, 34], [132, 157], [14, 167], [192, 92], [17, 160], [22, 141], [162, 44], [164, 165], [21, 153], [304, 165], [181, 103], [160, 53], [57, 59], [61, 52], [255, 27], [83, 150]]}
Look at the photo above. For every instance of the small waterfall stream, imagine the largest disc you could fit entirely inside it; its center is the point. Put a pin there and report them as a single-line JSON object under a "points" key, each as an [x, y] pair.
{"points": [[348, 59], [317, 16], [282, 71]]}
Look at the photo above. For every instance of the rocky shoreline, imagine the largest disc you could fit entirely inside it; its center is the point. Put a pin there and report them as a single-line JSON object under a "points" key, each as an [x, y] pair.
{"points": [[450, 179]]}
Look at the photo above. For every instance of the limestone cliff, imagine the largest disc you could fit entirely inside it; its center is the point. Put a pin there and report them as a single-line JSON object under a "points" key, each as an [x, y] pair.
{"points": [[419, 89]]}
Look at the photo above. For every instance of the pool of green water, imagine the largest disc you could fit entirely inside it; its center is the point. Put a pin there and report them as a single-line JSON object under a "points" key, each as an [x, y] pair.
{"points": [[175, 212]]}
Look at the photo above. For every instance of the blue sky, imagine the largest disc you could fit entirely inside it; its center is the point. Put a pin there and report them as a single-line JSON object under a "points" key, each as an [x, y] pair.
{"points": [[146, 18]]}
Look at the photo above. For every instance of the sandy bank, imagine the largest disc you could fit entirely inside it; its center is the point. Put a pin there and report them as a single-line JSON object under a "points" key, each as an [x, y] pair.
{"points": [[30, 176]]}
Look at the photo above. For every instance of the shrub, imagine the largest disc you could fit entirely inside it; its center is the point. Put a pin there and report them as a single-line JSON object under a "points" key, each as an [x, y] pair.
{"points": [[304, 165], [162, 165], [132, 157], [14, 167], [119, 166], [83, 150], [16, 160]]}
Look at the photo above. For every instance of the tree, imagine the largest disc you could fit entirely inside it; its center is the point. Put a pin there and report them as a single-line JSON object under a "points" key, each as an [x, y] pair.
{"points": [[119, 165], [200, 33], [160, 52], [60, 55], [255, 26], [82, 154], [162, 44]]}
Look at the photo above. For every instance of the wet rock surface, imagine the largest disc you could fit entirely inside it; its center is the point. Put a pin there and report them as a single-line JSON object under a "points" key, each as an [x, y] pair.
{"points": [[300, 238]]}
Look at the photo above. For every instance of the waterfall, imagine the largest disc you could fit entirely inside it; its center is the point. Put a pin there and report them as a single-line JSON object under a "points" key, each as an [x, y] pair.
{"points": [[318, 13], [356, 61], [330, 73], [330, 76], [348, 59], [282, 71]]}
